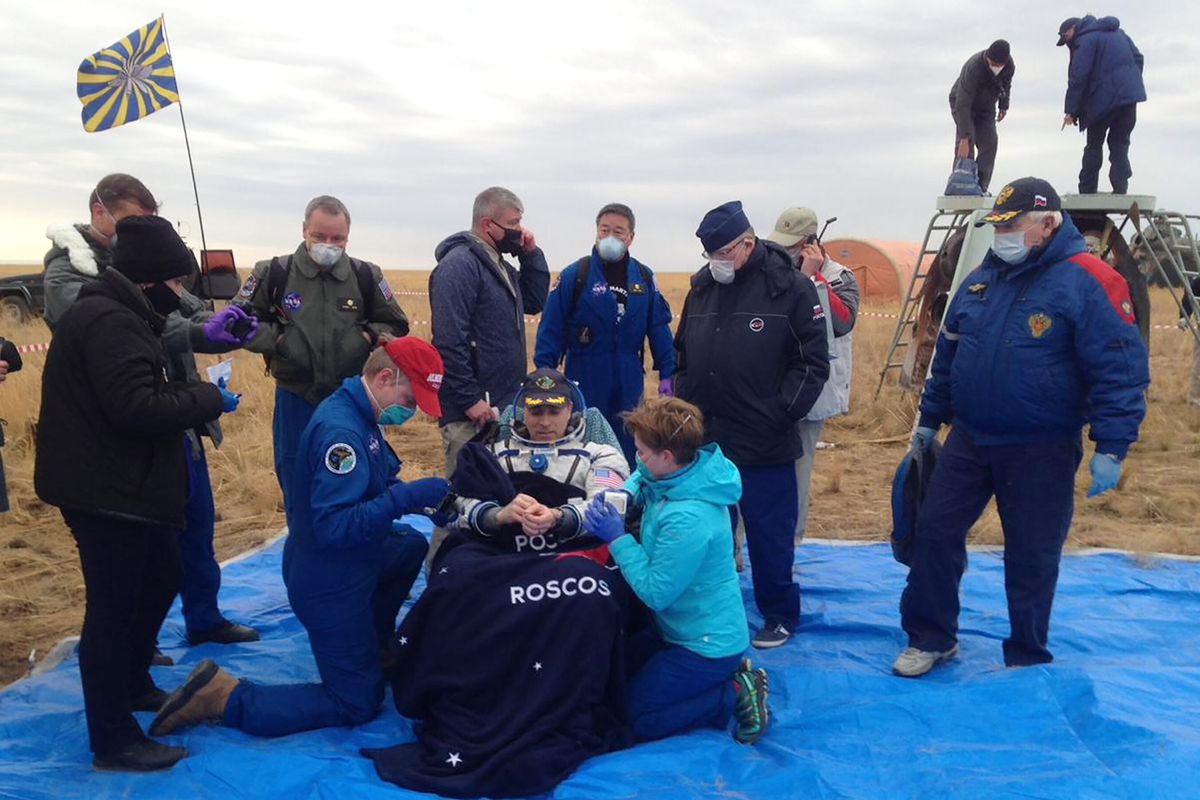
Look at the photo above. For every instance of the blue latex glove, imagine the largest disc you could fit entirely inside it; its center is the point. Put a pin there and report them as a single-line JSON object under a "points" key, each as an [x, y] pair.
{"points": [[1106, 473], [230, 399], [219, 327], [923, 438], [602, 520], [416, 496]]}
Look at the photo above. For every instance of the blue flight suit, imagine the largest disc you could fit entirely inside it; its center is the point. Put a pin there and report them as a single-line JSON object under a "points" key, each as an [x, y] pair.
{"points": [[606, 357], [346, 573], [1028, 353]]}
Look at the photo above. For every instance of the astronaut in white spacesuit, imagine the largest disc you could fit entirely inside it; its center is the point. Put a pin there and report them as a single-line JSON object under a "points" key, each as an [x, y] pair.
{"points": [[554, 470]]}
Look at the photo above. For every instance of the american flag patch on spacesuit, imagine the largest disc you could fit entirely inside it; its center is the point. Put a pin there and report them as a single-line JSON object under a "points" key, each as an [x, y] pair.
{"points": [[609, 479]]}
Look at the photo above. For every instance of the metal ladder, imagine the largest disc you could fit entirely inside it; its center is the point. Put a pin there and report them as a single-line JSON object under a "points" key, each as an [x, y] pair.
{"points": [[938, 231], [1171, 264]]}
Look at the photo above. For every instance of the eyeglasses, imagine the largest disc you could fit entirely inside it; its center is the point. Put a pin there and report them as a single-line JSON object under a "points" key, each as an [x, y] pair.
{"points": [[724, 252]]}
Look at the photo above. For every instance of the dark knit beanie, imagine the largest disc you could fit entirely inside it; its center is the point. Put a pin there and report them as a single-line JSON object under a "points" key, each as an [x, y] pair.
{"points": [[998, 52], [148, 250]]}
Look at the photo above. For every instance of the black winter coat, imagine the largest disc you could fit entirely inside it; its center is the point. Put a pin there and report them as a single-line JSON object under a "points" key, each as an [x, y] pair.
{"points": [[753, 356], [110, 431], [977, 91]]}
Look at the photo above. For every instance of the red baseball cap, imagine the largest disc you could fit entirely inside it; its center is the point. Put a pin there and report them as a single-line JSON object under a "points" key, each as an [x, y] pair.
{"points": [[422, 365]]}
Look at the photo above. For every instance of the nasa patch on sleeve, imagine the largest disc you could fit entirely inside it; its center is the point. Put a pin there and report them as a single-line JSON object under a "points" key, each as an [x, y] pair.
{"points": [[340, 459]]}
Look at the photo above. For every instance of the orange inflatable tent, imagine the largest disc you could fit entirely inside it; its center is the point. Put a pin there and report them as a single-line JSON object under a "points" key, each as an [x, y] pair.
{"points": [[883, 269]]}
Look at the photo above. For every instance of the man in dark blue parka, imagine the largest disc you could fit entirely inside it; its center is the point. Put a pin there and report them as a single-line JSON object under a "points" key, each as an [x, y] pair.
{"points": [[602, 318], [1040, 340], [1104, 86]]}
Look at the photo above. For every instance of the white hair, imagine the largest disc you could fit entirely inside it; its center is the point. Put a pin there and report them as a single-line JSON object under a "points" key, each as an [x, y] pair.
{"points": [[1036, 217], [492, 201]]}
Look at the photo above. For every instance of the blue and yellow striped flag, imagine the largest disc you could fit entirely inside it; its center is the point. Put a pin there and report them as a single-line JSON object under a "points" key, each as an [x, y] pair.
{"points": [[127, 80]]}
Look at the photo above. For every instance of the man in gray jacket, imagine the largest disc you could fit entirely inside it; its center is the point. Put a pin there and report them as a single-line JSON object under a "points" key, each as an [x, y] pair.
{"points": [[479, 302], [796, 231], [78, 256]]}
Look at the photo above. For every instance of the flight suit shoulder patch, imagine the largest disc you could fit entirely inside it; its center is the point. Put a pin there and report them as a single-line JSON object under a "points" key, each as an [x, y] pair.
{"points": [[340, 459]]}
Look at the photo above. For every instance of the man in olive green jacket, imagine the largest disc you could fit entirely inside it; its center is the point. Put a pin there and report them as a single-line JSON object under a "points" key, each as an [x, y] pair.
{"points": [[321, 313]]}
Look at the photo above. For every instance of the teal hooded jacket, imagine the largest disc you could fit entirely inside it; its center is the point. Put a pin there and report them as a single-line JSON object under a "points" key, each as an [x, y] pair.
{"points": [[683, 567]]}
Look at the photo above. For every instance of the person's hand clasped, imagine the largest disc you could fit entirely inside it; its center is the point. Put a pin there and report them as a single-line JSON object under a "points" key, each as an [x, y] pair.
{"points": [[539, 519], [603, 521], [480, 413], [514, 512]]}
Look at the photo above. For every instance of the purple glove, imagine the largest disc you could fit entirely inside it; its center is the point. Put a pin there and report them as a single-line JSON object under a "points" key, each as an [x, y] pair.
{"points": [[666, 387], [216, 329]]}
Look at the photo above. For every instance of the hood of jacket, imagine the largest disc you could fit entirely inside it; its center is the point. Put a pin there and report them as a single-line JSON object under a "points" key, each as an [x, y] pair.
{"points": [[1090, 24], [1066, 242], [711, 477], [462, 238], [79, 249]]}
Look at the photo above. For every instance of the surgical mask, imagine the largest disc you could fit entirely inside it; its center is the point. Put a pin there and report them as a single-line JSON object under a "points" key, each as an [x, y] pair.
{"points": [[511, 243], [610, 249], [162, 298], [325, 255], [996, 70], [722, 271], [1010, 247], [396, 415]]}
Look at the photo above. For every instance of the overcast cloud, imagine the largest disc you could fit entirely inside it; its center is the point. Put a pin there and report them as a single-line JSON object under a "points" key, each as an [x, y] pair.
{"points": [[405, 111]]}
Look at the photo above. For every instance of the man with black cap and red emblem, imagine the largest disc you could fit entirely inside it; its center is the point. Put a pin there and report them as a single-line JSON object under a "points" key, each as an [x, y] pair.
{"points": [[346, 569], [753, 355], [984, 83], [110, 457], [1040, 340]]}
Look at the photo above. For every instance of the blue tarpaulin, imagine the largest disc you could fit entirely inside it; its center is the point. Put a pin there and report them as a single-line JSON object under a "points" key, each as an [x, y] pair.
{"points": [[1114, 716]]}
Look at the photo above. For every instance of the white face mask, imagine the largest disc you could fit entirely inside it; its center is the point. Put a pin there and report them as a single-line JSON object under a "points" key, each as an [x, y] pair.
{"points": [[324, 255], [722, 271], [1010, 247], [610, 249], [996, 70]]}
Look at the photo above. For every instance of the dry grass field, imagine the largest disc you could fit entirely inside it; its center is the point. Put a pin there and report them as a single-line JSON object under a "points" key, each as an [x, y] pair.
{"points": [[1157, 508]]}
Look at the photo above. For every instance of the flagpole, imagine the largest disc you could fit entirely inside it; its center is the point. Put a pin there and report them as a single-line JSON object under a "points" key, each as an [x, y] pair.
{"points": [[204, 275]]}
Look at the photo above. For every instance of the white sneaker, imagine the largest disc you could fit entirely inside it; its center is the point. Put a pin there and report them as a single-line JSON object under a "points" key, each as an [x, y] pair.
{"points": [[914, 663]]}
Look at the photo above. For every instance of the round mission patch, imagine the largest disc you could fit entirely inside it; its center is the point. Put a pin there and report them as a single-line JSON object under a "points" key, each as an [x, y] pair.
{"points": [[340, 459]]}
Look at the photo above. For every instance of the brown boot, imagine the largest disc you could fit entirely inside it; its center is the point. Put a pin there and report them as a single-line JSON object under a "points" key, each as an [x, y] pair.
{"points": [[201, 698]]}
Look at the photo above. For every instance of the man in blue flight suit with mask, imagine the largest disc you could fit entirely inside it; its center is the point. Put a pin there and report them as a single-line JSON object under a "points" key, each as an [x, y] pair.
{"points": [[600, 314], [347, 573]]}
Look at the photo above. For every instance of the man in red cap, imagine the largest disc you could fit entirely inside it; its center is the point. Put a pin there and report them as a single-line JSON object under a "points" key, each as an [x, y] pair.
{"points": [[347, 573]]}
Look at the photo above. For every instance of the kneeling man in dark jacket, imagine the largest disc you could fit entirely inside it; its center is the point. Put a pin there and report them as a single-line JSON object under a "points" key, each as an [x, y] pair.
{"points": [[110, 457]]}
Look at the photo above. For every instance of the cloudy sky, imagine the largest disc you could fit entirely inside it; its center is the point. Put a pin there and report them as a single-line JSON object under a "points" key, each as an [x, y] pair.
{"points": [[405, 111]]}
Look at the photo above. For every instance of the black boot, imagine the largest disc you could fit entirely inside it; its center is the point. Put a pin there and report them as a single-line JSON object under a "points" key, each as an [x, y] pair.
{"points": [[161, 659], [225, 633], [144, 756]]}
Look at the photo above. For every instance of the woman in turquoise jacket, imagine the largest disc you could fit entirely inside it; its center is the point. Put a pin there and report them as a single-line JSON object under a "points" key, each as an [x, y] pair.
{"points": [[688, 670]]}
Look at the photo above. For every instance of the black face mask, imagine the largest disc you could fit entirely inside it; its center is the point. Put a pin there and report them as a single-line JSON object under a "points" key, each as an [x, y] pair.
{"points": [[511, 243], [162, 298]]}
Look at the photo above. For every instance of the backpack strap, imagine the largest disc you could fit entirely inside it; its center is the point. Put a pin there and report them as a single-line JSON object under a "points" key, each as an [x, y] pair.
{"points": [[366, 286], [583, 272]]}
